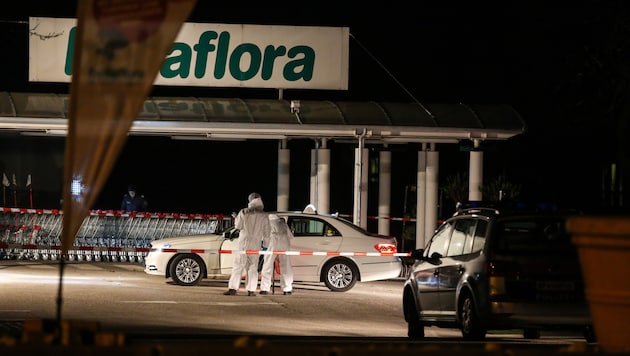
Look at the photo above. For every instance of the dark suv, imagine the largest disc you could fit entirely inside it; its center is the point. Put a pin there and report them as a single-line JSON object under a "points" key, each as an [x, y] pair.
{"points": [[497, 269]]}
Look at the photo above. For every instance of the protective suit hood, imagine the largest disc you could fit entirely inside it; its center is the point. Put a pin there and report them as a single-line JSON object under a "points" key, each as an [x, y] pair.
{"points": [[256, 203]]}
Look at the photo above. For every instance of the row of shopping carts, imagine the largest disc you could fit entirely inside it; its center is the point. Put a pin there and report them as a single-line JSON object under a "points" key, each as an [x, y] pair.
{"points": [[34, 234]]}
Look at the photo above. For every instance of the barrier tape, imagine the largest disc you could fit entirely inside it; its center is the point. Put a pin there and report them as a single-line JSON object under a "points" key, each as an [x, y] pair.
{"points": [[174, 250], [317, 253], [281, 252]]}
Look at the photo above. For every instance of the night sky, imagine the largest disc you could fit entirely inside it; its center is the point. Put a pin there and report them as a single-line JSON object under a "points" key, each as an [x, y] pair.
{"points": [[563, 67]]}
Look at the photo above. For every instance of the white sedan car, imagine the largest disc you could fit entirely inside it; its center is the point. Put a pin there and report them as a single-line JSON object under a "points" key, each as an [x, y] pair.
{"points": [[325, 249]]}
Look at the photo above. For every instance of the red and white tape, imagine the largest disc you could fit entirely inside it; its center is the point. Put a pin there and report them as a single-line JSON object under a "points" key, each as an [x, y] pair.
{"points": [[281, 252], [175, 250]]}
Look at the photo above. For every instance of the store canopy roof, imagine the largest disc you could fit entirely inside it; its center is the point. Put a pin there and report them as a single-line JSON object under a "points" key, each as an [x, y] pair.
{"points": [[233, 118]]}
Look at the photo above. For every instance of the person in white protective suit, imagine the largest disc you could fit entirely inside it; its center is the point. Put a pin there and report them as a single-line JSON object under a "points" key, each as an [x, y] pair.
{"points": [[253, 225], [280, 240]]}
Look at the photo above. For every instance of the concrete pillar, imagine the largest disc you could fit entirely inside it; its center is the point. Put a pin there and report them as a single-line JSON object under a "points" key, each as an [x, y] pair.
{"points": [[431, 206], [421, 185], [384, 191], [475, 174], [314, 184], [361, 156], [323, 179], [284, 163]]}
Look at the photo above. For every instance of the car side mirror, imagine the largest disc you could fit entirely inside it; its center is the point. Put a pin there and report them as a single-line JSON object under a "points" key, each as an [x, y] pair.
{"points": [[230, 234], [435, 258]]}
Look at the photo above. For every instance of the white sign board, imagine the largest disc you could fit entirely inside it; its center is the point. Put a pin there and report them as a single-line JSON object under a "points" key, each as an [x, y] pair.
{"points": [[215, 55]]}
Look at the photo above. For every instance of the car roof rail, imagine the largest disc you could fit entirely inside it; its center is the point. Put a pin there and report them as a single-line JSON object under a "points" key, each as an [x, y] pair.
{"points": [[476, 210], [508, 207]]}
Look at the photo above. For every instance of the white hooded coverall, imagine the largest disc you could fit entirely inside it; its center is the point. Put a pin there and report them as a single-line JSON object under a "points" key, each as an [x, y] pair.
{"points": [[280, 240], [253, 223]]}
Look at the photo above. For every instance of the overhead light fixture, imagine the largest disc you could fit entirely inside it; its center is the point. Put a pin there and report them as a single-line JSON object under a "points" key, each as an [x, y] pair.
{"points": [[295, 109], [295, 106]]}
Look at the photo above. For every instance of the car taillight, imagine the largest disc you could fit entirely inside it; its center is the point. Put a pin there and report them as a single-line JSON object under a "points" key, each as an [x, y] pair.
{"points": [[386, 248]]}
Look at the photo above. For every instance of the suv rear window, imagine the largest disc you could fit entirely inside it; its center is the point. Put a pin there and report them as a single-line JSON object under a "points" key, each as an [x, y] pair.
{"points": [[535, 235]]}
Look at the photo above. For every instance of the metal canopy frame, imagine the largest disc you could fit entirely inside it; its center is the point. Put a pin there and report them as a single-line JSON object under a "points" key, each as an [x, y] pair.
{"points": [[46, 114]]}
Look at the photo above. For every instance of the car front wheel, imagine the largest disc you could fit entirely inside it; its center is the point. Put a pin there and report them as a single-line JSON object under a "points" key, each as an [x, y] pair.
{"points": [[340, 275], [187, 270], [415, 329]]}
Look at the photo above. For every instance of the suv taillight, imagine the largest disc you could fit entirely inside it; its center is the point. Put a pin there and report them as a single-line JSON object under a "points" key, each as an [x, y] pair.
{"points": [[502, 269], [497, 273]]}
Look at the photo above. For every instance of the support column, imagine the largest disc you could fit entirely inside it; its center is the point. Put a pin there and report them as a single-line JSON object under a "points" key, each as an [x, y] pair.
{"points": [[359, 216], [421, 197], [323, 179], [431, 206], [384, 191], [427, 190], [284, 162], [314, 184], [475, 174]]}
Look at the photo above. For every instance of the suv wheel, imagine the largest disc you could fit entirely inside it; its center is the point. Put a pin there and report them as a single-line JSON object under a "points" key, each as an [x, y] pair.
{"points": [[415, 329], [589, 334], [470, 324]]}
